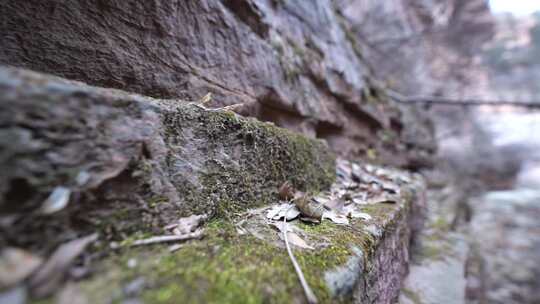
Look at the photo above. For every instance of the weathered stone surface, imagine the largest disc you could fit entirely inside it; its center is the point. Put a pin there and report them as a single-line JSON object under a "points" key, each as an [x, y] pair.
{"points": [[131, 161], [244, 261], [290, 62]]}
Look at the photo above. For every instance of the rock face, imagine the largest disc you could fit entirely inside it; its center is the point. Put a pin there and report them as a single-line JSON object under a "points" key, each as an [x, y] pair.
{"points": [[76, 158], [137, 157], [294, 63]]}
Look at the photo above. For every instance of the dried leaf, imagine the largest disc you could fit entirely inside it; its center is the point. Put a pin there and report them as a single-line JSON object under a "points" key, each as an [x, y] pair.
{"points": [[57, 200], [361, 215], [329, 202], [16, 265], [49, 277], [296, 240], [336, 218], [309, 207], [291, 234], [286, 192], [277, 212], [310, 220], [206, 98], [186, 225]]}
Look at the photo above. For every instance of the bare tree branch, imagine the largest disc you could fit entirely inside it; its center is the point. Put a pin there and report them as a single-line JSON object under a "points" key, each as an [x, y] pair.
{"points": [[437, 100]]}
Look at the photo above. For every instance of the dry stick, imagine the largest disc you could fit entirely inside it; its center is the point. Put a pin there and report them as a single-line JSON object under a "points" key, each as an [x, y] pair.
{"points": [[168, 238], [312, 299], [437, 100]]}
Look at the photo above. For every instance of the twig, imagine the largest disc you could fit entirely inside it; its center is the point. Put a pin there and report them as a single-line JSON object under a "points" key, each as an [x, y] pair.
{"points": [[169, 238], [311, 298], [437, 100]]}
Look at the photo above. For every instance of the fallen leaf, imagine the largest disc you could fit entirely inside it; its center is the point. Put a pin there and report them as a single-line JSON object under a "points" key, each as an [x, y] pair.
{"points": [[186, 225], [50, 276], [336, 218], [16, 265], [329, 202], [309, 207], [292, 237], [310, 220], [286, 192], [359, 214], [57, 200], [296, 240], [206, 98], [277, 212]]}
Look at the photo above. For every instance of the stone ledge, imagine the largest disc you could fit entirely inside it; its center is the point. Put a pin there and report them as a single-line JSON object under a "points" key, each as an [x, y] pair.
{"points": [[364, 262], [133, 163]]}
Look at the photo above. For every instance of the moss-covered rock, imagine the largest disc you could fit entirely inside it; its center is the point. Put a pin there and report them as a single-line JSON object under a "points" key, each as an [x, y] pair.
{"points": [[360, 263], [133, 163]]}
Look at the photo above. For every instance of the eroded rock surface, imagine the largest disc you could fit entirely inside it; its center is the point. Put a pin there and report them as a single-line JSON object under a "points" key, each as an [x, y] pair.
{"points": [[122, 161], [294, 63]]}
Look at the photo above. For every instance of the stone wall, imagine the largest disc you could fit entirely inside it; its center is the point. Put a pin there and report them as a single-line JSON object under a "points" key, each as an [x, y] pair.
{"points": [[294, 63]]}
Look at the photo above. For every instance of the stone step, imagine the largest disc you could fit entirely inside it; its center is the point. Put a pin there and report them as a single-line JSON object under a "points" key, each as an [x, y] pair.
{"points": [[122, 162], [243, 260]]}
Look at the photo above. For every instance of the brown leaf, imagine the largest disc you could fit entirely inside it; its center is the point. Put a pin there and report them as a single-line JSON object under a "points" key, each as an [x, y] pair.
{"points": [[186, 225], [292, 237], [279, 211], [286, 192], [309, 207], [335, 217], [51, 275]]}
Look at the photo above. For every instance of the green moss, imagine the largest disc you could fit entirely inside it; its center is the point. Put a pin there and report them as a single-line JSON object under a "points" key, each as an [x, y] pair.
{"points": [[228, 268], [380, 212], [245, 161]]}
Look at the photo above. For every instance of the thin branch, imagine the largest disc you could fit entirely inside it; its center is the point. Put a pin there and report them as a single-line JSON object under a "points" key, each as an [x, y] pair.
{"points": [[169, 238], [436, 100], [311, 298]]}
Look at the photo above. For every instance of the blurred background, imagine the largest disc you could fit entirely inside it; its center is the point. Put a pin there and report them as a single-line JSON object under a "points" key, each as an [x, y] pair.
{"points": [[476, 66]]}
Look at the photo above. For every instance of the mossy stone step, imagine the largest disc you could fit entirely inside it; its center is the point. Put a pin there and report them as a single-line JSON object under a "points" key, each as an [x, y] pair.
{"points": [[133, 163], [363, 262]]}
